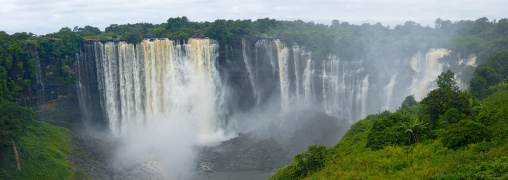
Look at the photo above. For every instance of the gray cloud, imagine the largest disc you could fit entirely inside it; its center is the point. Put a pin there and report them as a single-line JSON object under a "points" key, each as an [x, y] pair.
{"points": [[41, 17]]}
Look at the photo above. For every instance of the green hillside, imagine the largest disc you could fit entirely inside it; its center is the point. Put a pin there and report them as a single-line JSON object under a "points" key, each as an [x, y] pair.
{"points": [[450, 134], [42, 148]]}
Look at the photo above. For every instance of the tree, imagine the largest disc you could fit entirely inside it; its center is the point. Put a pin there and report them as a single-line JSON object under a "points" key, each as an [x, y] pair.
{"points": [[13, 120], [489, 74], [409, 101], [447, 80], [133, 38], [484, 76], [412, 128], [440, 100], [463, 133], [87, 31], [407, 150], [387, 131]]}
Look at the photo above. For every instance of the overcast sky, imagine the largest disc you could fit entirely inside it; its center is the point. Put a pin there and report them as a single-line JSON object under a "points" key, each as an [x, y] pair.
{"points": [[46, 16]]}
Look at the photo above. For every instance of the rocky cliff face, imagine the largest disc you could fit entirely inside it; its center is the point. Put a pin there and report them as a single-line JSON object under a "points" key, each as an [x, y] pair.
{"points": [[253, 72], [53, 99]]}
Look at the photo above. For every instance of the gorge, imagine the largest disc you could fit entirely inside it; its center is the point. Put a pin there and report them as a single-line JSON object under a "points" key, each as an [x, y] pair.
{"points": [[163, 98]]}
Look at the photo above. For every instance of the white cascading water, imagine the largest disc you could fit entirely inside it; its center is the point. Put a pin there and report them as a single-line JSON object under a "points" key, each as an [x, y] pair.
{"points": [[296, 61], [283, 60], [304, 74], [308, 75], [469, 61], [344, 86], [82, 93], [141, 83], [388, 90], [38, 78], [269, 47], [331, 87], [363, 96], [345, 89], [291, 68], [428, 69], [248, 65], [163, 99]]}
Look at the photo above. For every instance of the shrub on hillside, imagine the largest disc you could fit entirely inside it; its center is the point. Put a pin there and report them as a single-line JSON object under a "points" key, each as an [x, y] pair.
{"points": [[463, 133], [388, 131], [303, 164]]}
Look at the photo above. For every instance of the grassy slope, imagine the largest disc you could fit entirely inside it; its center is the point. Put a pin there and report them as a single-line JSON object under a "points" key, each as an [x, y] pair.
{"points": [[428, 160], [350, 159], [43, 151]]}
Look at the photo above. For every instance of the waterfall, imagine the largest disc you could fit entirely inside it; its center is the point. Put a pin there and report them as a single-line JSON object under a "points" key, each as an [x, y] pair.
{"points": [[140, 84], [159, 78], [337, 86], [297, 73], [331, 87], [363, 96], [345, 88], [88, 90], [308, 75], [283, 60], [82, 91], [428, 69], [388, 90], [38, 79], [463, 84], [248, 65], [267, 47]]}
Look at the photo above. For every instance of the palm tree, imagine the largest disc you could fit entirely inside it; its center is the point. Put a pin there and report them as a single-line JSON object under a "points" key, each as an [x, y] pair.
{"points": [[413, 127]]}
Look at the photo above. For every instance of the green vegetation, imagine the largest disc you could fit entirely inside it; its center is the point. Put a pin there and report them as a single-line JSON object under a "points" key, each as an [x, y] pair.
{"points": [[388, 131], [450, 134], [463, 133], [433, 138], [348, 41], [42, 148], [17, 63], [488, 75], [18, 59], [304, 163]]}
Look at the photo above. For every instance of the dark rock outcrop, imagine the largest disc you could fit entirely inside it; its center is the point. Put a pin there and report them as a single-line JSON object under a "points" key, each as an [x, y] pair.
{"points": [[274, 147]]}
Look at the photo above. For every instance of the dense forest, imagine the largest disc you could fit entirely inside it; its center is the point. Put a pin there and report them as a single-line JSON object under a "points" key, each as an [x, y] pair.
{"points": [[450, 126]]}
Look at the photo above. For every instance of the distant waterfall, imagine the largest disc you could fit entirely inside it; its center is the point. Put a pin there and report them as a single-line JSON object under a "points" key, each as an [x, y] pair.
{"points": [[142, 83], [340, 88], [248, 64], [427, 68], [388, 90], [345, 88], [308, 76], [363, 96], [463, 84], [283, 60], [38, 79]]}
